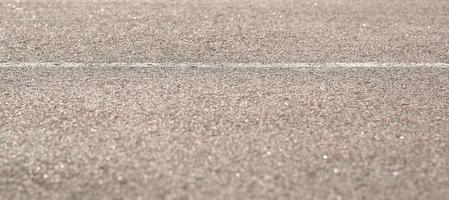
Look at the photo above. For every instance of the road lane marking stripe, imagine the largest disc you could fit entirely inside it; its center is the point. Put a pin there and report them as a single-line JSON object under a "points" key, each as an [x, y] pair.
{"points": [[227, 65]]}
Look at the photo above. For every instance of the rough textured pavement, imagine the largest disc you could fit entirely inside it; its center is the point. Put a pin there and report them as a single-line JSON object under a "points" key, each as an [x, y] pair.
{"points": [[179, 130], [224, 31], [224, 133]]}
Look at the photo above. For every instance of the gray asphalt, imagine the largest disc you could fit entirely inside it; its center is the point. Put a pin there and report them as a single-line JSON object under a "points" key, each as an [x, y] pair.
{"points": [[224, 133], [153, 100], [216, 31]]}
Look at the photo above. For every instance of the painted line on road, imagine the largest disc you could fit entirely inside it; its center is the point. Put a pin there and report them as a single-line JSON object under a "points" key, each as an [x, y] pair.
{"points": [[227, 65]]}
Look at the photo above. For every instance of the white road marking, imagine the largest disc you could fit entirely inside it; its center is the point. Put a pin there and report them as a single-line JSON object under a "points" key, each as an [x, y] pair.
{"points": [[228, 65]]}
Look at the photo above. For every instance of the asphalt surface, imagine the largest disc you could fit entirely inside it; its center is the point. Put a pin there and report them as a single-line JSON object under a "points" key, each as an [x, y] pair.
{"points": [[216, 31], [224, 132], [266, 99]]}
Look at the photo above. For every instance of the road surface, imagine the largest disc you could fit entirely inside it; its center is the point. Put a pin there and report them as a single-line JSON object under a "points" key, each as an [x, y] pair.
{"points": [[269, 99], [217, 31]]}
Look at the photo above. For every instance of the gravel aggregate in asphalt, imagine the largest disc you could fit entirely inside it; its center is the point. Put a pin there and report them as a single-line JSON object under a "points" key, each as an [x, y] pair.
{"points": [[224, 133], [155, 99], [217, 31]]}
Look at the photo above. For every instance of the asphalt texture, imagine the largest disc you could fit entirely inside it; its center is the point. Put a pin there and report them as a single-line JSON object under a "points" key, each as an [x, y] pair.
{"points": [[216, 31], [266, 99], [222, 132]]}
